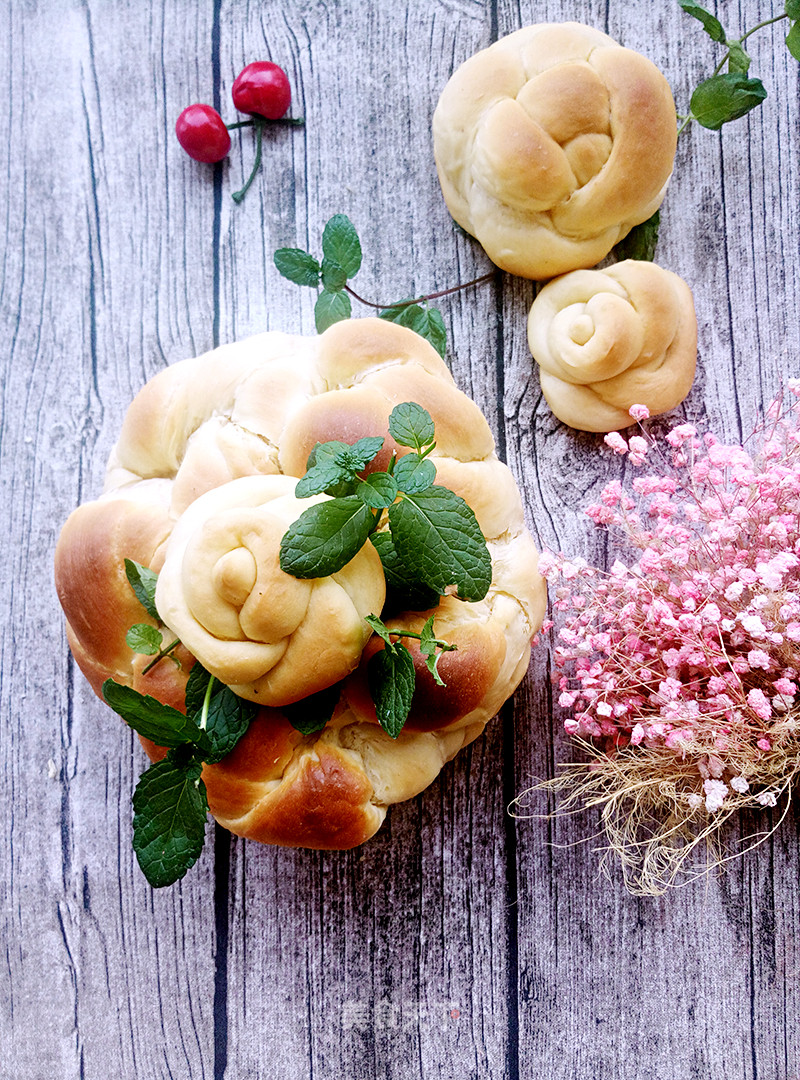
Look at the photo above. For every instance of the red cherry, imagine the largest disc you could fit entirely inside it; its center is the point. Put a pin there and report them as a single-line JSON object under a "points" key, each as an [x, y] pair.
{"points": [[202, 133], [262, 88]]}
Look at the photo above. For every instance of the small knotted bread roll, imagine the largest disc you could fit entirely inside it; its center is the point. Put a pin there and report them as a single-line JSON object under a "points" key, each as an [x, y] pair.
{"points": [[222, 592], [552, 144], [200, 488], [609, 339]]}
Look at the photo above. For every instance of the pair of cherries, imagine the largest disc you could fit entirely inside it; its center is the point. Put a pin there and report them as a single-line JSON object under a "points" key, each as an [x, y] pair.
{"points": [[262, 90]]}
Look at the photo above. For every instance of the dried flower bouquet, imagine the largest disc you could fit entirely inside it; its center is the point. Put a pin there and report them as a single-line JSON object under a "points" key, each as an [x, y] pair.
{"points": [[680, 668]]}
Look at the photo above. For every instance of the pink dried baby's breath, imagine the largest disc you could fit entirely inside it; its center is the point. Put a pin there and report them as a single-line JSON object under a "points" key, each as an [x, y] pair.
{"points": [[680, 663]]}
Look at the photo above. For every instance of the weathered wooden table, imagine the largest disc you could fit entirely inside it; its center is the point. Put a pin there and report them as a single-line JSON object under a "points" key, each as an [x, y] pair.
{"points": [[459, 942]]}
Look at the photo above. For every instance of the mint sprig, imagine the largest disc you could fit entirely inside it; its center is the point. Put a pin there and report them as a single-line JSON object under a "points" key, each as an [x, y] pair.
{"points": [[434, 533], [169, 803], [341, 261], [728, 95], [169, 819], [391, 674]]}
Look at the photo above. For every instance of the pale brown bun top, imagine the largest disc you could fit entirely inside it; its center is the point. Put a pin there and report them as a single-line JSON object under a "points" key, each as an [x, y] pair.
{"points": [[609, 339], [200, 487], [551, 144]]}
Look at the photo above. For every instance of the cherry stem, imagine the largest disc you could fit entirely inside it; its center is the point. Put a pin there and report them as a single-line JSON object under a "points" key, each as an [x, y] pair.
{"points": [[237, 196], [428, 296]]}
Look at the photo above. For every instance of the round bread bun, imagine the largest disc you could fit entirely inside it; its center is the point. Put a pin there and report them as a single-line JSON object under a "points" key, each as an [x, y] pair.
{"points": [[551, 144], [200, 488], [609, 339]]}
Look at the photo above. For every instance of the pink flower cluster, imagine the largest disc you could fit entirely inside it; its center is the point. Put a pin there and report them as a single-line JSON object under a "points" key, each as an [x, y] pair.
{"points": [[692, 644]]}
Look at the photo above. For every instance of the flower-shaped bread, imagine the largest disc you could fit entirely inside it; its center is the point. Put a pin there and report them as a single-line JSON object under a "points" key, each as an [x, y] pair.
{"points": [[608, 339], [552, 144], [222, 591], [200, 488]]}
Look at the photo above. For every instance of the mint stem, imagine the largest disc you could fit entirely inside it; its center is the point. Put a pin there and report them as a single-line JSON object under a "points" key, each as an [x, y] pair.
{"points": [[206, 702], [164, 652], [759, 26], [428, 296], [445, 646], [237, 196]]}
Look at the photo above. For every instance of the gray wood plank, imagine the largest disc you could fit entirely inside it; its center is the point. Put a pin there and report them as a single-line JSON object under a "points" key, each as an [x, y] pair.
{"points": [[394, 963], [693, 984], [101, 977]]}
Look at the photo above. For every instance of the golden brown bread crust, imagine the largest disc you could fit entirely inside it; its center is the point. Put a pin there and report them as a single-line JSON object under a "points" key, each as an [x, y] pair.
{"points": [[202, 449], [609, 339], [552, 144]]}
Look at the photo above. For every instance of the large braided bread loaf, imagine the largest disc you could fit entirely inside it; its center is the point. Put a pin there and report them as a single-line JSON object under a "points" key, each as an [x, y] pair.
{"points": [[200, 488]]}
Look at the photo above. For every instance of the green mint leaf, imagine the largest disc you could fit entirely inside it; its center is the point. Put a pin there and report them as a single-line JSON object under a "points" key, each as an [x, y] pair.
{"points": [[435, 331], [160, 723], [143, 582], [723, 98], [738, 59], [334, 463], [793, 9], [711, 24], [330, 308], [169, 820], [378, 491], [793, 37], [641, 241], [391, 678], [403, 591], [355, 458], [438, 537], [425, 321], [427, 639], [326, 537], [325, 451], [228, 719], [394, 311], [333, 276], [411, 315], [414, 473], [196, 687], [319, 478], [377, 625], [340, 244], [144, 638], [411, 425], [311, 714], [298, 266], [432, 648]]}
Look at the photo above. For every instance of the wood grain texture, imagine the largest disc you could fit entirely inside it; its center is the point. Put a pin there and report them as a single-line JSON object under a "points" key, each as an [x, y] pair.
{"points": [[460, 941]]}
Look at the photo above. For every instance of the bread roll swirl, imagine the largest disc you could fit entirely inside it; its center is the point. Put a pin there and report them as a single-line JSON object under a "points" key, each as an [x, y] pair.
{"points": [[552, 144], [608, 339], [222, 592]]}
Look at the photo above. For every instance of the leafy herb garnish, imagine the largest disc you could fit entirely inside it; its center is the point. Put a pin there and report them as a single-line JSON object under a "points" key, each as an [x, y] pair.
{"points": [[312, 713], [728, 95], [641, 241], [391, 675], [434, 534], [341, 261], [170, 803], [143, 582]]}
